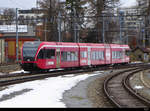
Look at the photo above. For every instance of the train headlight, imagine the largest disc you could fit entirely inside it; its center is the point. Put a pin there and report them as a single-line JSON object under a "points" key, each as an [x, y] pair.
{"points": [[50, 63], [28, 60]]}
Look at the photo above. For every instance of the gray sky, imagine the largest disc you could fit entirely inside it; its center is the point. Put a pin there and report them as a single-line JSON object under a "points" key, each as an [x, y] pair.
{"points": [[27, 4], [23, 4], [127, 3]]}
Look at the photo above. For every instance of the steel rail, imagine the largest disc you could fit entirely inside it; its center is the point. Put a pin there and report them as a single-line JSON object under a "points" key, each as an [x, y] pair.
{"points": [[113, 89], [127, 85]]}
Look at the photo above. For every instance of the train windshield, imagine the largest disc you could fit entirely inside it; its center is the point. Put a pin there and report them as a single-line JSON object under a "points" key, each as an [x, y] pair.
{"points": [[29, 50]]}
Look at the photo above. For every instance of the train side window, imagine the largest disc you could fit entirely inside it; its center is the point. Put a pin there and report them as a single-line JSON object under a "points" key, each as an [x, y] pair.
{"points": [[101, 55], [118, 55], [127, 53], [63, 56], [97, 55], [76, 56], [41, 54], [121, 55], [84, 54], [50, 53], [113, 55], [69, 56], [93, 55], [72, 56]]}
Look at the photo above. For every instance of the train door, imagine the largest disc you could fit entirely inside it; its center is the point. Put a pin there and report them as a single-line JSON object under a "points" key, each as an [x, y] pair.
{"points": [[123, 55], [107, 54], [89, 56], [58, 58]]}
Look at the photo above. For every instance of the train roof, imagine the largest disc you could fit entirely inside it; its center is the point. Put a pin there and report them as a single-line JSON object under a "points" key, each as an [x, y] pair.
{"points": [[78, 44], [29, 43]]}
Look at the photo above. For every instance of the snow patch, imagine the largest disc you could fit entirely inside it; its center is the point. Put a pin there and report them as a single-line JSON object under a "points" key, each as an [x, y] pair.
{"points": [[138, 87], [46, 93]]}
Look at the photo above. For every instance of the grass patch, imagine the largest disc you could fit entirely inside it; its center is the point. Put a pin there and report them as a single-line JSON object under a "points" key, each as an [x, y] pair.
{"points": [[77, 97]]}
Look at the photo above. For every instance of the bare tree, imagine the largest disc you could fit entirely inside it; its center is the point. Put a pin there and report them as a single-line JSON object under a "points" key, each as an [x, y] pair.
{"points": [[9, 16], [50, 18], [96, 8], [77, 15]]}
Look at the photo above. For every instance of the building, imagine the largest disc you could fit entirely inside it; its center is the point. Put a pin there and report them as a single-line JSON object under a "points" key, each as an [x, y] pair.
{"points": [[140, 54], [31, 16], [144, 6], [30, 28], [131, 24], [34, 17], [25, 33]]}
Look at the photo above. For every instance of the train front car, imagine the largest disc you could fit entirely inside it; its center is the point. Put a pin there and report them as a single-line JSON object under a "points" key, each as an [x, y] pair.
{"points": [[29, 52], [127, 53], [120, 54]]}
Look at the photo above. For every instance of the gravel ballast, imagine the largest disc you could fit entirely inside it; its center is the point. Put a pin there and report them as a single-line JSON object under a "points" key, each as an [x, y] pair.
{"points": [[88, 93]]}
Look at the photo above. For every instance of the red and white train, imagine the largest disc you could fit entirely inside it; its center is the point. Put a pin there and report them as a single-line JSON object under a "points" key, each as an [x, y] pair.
{"points": [[52, 55]]}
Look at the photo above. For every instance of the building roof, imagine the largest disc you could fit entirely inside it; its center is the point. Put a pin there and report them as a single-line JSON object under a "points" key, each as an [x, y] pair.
{"points": [[31, 11], [144, 50]]}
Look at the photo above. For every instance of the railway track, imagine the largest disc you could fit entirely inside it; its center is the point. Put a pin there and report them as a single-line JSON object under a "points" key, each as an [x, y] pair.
{"points": [[10, 79], [15, 78], [118, 90]]}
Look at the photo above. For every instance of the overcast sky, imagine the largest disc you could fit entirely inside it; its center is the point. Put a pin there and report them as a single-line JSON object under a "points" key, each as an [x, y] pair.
{"points": [[127, 3], [27, 4], [23, 4]]}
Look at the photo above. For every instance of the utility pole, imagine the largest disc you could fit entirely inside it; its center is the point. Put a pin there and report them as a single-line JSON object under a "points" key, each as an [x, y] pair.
{"points": [[121, 14], [103, 29], [143, 33], [75, 26], [45, 29], [59, 26], [143, 37], [17, 46]]}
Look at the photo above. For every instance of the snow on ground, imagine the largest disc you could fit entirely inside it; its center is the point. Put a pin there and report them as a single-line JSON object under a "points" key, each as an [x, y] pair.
{"points": [[138, 87], [46, 93], [136, 62], [22, 71]]}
